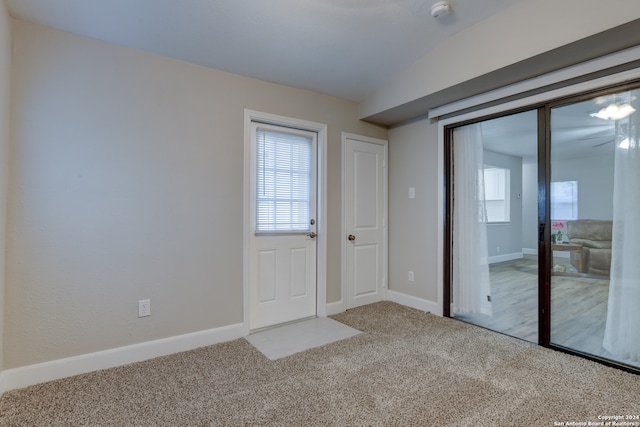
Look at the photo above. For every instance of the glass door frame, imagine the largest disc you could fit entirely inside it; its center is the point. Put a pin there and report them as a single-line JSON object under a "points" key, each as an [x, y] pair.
{"points": [[542, 215], [544, 208]]}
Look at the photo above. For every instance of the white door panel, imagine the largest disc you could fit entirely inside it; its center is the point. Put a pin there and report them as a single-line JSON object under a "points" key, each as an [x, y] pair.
{"points": [[365, 269], [282, 282], [299, 272], [364, 220], [267, 265]]}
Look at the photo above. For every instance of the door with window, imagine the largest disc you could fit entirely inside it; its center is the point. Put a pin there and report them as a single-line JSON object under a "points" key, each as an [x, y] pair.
{"points": [[283, 225]]}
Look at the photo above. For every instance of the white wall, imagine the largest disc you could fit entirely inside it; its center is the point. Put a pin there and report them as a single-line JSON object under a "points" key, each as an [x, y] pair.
{"points": [[413, 223], [5, 68], [126, 183]]}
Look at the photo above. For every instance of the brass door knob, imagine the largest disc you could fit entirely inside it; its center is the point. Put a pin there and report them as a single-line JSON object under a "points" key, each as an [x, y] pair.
{"points": [[351, 237]]}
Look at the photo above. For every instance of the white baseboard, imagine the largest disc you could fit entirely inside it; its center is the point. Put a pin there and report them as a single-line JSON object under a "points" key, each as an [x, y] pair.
{"points": [[334, 308], [48, 371], [414, 302], [529, 251], [505, 257]]}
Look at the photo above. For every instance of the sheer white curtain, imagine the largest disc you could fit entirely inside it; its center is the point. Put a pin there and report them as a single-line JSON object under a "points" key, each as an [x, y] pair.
{"points": [[470, 266], [622, 331]]}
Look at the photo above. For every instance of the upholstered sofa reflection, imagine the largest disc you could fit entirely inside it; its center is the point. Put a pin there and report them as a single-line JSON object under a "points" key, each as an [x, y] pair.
{"points": [[595, 237]]}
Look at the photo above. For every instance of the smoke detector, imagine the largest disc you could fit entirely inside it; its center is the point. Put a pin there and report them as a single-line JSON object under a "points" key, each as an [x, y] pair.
{"points": [[440, 9]]}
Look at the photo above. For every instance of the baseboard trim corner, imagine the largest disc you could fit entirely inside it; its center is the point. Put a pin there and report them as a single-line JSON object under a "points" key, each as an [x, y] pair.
{"points": [[414, 302], [25, 376], [334, 308]]}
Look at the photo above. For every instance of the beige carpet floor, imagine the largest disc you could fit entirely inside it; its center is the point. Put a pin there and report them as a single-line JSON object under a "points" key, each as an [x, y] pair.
{"points": [[407, 368]]}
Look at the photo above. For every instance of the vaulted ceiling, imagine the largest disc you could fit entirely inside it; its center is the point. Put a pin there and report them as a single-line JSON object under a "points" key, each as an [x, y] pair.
{"points": [[345, 48]]}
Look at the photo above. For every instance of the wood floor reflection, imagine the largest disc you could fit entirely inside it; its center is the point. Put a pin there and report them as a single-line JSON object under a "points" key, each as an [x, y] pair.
{"points": [[514, 299], [578, 306]]}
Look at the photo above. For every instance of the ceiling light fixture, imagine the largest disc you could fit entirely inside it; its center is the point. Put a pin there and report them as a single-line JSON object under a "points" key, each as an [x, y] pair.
{"points": [[440, 9], [614, 112]]}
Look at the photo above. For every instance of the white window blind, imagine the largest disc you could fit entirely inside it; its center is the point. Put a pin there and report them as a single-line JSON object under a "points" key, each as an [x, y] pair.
{"points": [[283, 181]]}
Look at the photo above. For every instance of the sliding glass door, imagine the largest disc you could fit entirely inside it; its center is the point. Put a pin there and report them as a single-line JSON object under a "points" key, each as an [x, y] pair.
{"points": [[543, 224], [595, 226], [494, 250]]}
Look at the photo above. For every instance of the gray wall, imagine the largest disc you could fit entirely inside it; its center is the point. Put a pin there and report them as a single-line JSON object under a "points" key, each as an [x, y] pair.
{"points": [[127, 183], [595, 183], [413, 223]]}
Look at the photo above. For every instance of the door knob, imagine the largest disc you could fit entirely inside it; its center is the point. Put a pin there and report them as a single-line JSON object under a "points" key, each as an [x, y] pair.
{"points": [[312, 234], [351, 237]]}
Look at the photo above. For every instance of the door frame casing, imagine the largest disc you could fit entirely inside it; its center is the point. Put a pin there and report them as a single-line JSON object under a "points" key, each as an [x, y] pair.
{"points": [[385, 238], [321, 245]]}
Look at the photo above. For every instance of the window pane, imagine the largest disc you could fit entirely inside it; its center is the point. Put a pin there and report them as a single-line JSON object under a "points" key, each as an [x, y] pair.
{"points": [[283, 181]]}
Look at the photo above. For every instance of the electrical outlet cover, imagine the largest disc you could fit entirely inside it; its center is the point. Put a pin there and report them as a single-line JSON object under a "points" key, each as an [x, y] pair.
{"points": [[144, 308]]}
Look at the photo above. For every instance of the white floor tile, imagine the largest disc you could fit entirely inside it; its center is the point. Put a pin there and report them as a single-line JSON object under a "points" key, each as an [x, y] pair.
{"points": [[300, 336]]}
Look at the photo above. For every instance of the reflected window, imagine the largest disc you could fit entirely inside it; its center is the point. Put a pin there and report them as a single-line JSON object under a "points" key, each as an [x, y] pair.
{"points": [[496, 193], [564, 200]]}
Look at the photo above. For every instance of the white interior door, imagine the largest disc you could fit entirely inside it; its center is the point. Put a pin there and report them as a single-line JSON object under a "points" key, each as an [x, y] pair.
{"points": [[365, 208], [283, 221]]}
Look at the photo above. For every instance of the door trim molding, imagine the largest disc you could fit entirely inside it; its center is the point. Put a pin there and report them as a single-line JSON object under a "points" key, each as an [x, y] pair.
{"points": [[321, 248], [343, 246]]}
